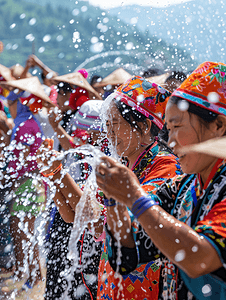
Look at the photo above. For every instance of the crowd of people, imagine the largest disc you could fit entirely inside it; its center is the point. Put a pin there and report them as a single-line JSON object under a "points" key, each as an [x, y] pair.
{"points": [[152, 224]]}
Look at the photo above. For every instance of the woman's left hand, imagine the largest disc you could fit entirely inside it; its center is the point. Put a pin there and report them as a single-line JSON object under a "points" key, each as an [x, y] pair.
{"points": [[47, 157], [118, 182]]}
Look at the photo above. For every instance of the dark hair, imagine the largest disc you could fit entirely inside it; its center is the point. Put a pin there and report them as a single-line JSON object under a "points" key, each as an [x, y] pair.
{"points": [[95, 78], [64, 86], [181, 76], [152, 72], [133, 117], [43, 76], [204, 114]]}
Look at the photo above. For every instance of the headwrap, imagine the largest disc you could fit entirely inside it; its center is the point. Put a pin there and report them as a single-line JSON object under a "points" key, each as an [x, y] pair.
{"points": [[88, 116], [23, 114], [206, 87], [148, 98]]}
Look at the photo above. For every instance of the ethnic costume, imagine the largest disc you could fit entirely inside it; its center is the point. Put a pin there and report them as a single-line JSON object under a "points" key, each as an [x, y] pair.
{"points": [[206, 216], [203, 208], [152, 168]]}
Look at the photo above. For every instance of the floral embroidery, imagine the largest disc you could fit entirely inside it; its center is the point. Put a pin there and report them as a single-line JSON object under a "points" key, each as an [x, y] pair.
{"points": [[218, 72]]}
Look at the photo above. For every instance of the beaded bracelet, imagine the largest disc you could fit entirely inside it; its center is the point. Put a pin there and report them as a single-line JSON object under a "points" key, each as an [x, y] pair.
{"points": [[109, 202], [53, 172], [141, 205]]}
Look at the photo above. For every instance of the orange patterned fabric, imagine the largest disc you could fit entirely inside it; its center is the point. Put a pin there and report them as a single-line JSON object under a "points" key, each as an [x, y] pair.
{"points": [[206, 87], [148, 98], [152, 168]]}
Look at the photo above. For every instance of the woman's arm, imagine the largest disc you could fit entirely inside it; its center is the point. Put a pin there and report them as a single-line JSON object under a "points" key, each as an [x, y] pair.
{"points": [[180, 243], [63, 137]]}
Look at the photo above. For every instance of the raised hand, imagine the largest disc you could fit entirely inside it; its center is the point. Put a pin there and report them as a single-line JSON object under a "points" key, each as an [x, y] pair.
{"points": [[118, 182]]}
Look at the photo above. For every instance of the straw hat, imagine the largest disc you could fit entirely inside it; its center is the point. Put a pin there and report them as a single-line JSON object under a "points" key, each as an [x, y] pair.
{"points": [[160, 79], [117, 77], [6, 73], [17, 70], [77, 79], [214, 147], [32, 85]]}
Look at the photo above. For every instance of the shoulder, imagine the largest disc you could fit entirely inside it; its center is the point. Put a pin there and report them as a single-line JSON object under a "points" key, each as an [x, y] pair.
{"points": [[165, 163]]}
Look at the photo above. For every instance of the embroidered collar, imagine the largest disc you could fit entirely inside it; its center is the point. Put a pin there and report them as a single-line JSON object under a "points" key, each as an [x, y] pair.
{"points": [[216, 169], [145, 158]]}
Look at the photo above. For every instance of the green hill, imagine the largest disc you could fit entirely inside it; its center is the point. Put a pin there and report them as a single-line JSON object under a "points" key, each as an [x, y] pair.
{"points": [[66, 38]]}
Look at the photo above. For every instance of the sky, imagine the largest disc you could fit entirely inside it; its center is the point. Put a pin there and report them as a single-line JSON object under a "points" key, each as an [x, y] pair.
{"points": [[106, 4]]}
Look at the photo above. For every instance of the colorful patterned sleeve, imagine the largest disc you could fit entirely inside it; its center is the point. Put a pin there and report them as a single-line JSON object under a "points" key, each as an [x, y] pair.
{"points": [[145, 251], [159, 170], [213, 228]]}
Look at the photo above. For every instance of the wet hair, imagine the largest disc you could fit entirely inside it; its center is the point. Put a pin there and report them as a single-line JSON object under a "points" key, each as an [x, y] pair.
{"points": [[205, 115], [95, 79], [152, 72], [43, 76], [133, 117], [180, 76], [64, 86]]}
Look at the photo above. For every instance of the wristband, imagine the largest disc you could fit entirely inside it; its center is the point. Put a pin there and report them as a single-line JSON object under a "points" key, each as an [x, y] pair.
{"points": [[12, 96], [141, 205], [109, 202], [53, 172]]}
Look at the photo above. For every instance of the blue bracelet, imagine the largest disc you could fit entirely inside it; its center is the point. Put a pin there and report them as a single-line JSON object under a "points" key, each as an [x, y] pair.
{"points": [[109, 202], [141, 205]]}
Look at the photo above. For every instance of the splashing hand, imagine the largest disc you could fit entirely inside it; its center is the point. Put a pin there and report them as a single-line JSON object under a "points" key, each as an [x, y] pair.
{"points": [[48, 158], [55, 117], [118, 182]]}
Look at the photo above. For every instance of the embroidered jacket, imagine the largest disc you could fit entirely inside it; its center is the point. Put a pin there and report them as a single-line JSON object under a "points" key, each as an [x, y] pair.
{"points": [[152, 168], [178, 196]]}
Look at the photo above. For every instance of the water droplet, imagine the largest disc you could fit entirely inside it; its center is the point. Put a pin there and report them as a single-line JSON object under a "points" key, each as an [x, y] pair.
{"points": [[172, 144], [180, 255], [46, 38], [61, 55], [41, 49], [207, 290], [213, 97], [22, 16], [59, 38], [94, 40], [84, 8], [12, 26], [133, 20], [194, 248], [32, 22], [75, 12], [140, 98], [183, 105], [129, 46]]}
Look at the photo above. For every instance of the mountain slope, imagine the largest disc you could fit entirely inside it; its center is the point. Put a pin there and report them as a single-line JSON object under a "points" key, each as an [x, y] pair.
{"points": [[81, 35], [197, 26]]}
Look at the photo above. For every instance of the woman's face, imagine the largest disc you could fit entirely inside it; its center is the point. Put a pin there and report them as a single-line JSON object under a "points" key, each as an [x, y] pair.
{"points": [[186, 129], [125, 138]]}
